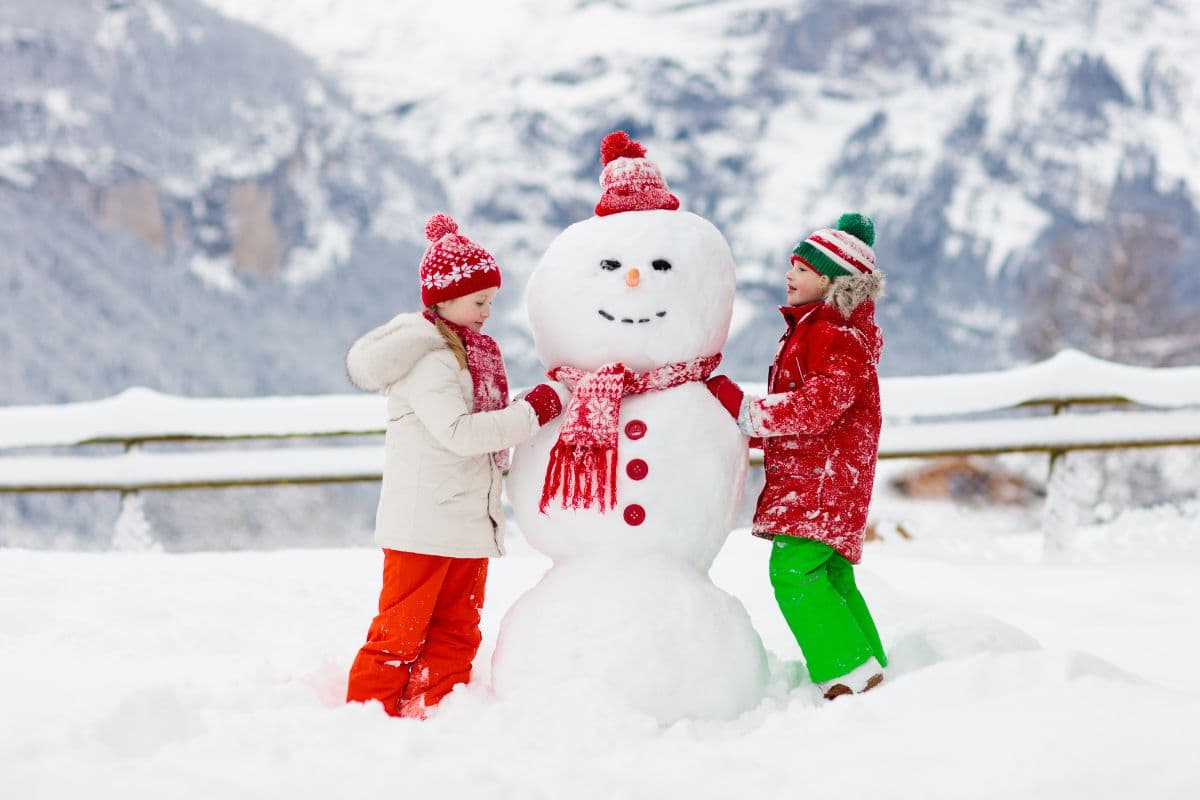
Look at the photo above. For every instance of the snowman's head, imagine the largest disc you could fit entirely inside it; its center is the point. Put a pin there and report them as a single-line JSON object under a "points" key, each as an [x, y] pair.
{"points": [[641, 282], [646, 288]]}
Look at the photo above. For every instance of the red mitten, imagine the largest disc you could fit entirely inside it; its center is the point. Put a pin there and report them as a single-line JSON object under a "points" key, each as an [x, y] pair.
{"points": [[728, 393], [545, 402]]}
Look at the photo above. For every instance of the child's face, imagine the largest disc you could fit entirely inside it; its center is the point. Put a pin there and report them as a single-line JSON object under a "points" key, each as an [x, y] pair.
{"points": [[470, 310], [804, 285]]}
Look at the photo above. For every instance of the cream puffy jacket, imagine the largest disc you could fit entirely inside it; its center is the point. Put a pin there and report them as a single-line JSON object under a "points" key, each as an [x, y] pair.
{"points": [[441, 486]]}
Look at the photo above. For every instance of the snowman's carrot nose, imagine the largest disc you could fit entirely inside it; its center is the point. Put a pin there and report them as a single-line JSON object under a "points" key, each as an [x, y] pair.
{"points": [[633, 277]]}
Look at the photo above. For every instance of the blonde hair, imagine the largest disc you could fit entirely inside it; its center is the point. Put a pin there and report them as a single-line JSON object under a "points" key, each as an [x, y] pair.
{"points": [[453, 341]]}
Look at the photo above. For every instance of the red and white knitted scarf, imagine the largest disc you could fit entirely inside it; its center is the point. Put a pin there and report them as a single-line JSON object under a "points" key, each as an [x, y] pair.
{"points": [[583, 462], [488, 378]]}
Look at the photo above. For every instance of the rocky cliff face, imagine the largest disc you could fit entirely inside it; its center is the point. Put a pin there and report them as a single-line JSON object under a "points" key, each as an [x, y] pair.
{"points": [[171, 182]]}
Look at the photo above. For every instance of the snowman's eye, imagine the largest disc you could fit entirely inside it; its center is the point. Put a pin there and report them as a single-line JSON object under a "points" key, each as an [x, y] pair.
{"points": [[610, 264], [661, 264]]}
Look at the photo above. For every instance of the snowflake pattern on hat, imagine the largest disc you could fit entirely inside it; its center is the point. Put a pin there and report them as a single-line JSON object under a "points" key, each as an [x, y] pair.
{"points": [[454, 274]]}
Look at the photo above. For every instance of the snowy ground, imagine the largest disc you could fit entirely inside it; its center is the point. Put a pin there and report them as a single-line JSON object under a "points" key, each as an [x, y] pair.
{"points": [[221, 675]]}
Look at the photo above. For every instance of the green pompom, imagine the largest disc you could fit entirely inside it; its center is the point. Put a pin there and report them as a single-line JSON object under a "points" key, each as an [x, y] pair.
{"points": [[859, 226]]}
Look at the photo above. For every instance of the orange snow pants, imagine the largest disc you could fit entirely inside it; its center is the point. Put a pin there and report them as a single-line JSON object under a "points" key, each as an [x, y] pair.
{"points": [[422, 642]]}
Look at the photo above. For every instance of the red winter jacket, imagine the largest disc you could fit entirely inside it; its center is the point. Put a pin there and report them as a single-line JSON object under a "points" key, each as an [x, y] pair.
{"points": [[820, 427]]}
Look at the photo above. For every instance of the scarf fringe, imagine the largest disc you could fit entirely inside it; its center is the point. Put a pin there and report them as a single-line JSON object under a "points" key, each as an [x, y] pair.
{"points": [[585, 475]]}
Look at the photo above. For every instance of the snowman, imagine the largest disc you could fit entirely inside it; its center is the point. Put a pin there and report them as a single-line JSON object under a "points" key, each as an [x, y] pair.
{"points": [[631, 492]]}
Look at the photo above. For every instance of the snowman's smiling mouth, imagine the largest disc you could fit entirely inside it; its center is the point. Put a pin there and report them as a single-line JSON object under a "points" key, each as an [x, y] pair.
{"points": [[631, 320]]}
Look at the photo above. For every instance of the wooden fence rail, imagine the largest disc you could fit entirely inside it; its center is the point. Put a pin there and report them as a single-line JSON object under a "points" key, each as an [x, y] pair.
{"points": [[924, 417], [240, 466]]}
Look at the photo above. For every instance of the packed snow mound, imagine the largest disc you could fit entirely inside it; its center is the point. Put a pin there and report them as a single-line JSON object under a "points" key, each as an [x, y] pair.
{"points": [[649, 629]]}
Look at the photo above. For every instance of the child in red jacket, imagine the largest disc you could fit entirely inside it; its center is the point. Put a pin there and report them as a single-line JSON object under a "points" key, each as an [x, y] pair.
{"points": [[819, 427]]}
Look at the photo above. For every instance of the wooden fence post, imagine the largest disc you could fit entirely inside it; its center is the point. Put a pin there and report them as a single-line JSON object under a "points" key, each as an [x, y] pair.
{"points": [[1065, 481], [1059, 514], [131, 531]]}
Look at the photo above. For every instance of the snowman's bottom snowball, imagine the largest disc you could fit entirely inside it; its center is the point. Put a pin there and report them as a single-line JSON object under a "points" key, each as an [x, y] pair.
{"points": [[652, 633]]}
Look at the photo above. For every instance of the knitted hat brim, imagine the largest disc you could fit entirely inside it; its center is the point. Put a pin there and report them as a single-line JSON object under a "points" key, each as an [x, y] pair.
{"points": [[817, 260], [835, 254]]}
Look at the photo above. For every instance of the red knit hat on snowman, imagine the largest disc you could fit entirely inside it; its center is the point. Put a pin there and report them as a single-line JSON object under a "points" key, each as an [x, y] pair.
{"points": [[453, 265], [631, 181]]}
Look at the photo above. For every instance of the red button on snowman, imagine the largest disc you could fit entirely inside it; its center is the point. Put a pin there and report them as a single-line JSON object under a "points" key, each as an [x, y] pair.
{"points": [[632, 490]]}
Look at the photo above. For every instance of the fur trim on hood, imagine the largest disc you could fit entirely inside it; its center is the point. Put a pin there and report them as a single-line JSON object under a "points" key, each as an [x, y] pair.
{"points": [[385, 355], [850, 291]]}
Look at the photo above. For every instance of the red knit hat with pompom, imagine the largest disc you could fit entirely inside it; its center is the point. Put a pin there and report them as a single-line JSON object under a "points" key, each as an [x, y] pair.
{"points": [[631, 181], [453, 265]]}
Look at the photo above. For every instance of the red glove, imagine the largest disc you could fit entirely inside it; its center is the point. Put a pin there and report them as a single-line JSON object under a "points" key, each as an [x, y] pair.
{"points": [[545, 402], [728, 393]]}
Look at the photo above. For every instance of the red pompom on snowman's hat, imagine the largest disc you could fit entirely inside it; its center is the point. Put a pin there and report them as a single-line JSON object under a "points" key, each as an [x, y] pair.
{"points": [[618, 145], [453, 265], [631, 181]]}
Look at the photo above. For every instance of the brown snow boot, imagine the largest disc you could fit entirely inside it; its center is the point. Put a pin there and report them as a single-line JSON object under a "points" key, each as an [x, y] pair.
{"points": [[862, 679], [837, 690]]}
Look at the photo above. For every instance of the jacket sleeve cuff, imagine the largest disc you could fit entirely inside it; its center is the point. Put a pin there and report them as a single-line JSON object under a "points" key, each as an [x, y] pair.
{"points": [[533, 415], [744, 422]]}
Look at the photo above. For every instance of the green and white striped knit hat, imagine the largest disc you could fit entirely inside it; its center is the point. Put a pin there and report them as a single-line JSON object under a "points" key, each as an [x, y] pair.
{"points": [[845, 250]]}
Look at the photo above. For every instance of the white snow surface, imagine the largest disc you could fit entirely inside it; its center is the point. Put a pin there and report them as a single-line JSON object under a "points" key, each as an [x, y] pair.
{"points": [[1066, 375], [140, 413], [222, 675]]}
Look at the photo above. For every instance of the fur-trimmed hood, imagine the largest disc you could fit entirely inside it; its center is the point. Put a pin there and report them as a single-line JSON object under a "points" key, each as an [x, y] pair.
{"points": [[386, 354], [850, 291]]}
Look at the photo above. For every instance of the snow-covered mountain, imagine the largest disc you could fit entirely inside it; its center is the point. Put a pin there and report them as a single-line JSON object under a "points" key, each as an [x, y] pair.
{"points": [[985, 137], [214, 197]]}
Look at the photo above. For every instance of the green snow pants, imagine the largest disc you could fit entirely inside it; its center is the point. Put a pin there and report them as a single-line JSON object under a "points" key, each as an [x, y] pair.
{"points": [[814, 587]]}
